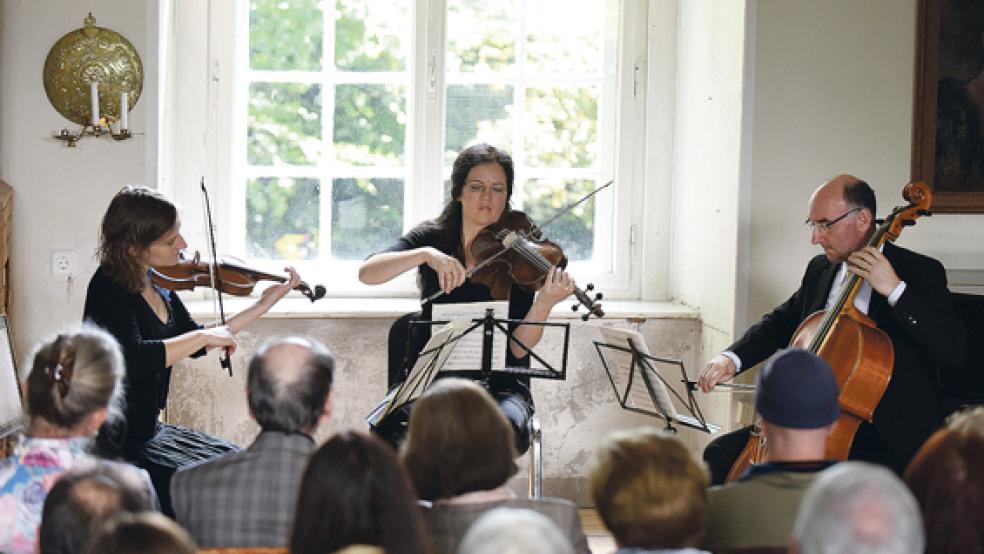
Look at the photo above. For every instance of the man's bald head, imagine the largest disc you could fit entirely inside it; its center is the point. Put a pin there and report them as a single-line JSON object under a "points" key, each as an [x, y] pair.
{"points": [[842, 211], [288, 384], [853, 192]]}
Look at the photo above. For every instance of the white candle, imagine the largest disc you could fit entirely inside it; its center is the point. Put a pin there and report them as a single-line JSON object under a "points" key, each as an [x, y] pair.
{"points": [[124, 111], [94, 96]]}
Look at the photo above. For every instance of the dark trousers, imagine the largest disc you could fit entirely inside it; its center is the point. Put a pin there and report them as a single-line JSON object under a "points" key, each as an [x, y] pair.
{"points": [[721, 453]]}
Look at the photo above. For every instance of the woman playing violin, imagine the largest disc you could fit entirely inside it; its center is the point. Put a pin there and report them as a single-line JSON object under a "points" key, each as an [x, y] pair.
{"points": [[481, 186], [140, 230]]}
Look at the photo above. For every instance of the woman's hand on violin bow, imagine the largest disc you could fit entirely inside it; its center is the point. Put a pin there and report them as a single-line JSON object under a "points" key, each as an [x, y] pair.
{"points": [[219, 337], [450, 272], [557, 286], [272, 294]]}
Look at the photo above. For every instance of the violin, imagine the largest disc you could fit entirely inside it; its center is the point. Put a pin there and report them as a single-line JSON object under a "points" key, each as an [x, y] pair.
{"points": [[512, 250], [230, 277]]}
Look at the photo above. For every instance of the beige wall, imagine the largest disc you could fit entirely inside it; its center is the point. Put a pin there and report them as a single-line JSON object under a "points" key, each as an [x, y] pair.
{"points": [[706, 172], [833, 94], [60, 193]]}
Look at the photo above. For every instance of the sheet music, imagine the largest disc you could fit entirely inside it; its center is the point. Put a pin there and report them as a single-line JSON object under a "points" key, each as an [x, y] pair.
{"points": [[422, 372], [632, 386], [467, 354], [11, 410]]}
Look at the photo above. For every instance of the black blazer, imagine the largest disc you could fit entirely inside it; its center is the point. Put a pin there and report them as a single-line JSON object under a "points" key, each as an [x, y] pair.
{"points": [[925, 333]]}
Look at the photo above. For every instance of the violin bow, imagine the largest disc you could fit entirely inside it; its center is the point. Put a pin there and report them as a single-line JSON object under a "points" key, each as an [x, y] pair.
{"points": [[213, 271], [535, 230], [570, 207]]}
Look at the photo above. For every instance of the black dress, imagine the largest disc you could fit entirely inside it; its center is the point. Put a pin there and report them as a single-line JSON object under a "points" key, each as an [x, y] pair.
{"points": [[511, 392], [159, 448]]}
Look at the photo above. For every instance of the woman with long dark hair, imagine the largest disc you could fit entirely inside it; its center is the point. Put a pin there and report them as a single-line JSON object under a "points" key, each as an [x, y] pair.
{"points": [[354, 492], [141, 230], [481, 187]]}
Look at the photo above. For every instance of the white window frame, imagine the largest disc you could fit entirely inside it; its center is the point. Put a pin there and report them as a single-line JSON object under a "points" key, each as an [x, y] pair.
{"points": [[222, 152]]}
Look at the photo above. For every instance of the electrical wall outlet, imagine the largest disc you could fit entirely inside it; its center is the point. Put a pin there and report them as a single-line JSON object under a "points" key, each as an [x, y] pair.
{"points": [[62, 263]]}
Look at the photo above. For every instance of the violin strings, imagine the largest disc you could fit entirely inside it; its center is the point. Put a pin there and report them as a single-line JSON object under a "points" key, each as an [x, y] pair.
{"points": [[538, 261]]}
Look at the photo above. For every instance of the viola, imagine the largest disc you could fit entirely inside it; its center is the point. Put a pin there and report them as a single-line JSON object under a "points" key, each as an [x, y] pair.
{"points": [[513, 250], [230, 277]]}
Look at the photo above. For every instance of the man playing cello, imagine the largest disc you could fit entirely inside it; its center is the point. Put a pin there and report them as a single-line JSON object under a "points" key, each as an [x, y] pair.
{"points": [[905, 294]]}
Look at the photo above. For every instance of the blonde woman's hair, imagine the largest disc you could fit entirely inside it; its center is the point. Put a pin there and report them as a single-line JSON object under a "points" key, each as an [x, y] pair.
{"points": [[649, 490], [74, 374]]}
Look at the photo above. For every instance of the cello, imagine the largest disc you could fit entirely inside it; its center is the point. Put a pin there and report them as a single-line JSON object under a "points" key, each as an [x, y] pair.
{"points": [[860, 354]]}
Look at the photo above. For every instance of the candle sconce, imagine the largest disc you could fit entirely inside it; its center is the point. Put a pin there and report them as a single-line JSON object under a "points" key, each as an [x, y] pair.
{"points": [[93, 76]]}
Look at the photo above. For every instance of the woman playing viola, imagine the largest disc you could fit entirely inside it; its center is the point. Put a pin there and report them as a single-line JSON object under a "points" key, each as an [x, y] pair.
{"points": [[481, 186], [140, 230]]}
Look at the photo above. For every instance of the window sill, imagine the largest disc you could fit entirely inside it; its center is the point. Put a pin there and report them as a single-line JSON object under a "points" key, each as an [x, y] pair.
{"points": [[388, 308]]}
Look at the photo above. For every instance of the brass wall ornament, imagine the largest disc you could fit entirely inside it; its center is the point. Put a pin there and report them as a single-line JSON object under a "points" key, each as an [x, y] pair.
{"points": [[90, 73]]}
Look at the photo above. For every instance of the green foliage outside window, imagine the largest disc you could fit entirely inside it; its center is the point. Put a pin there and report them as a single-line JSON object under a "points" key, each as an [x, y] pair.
{"points": [[367, 120], [282, 218]]}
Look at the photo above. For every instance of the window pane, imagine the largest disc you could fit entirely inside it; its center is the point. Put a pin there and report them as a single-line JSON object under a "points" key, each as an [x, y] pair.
{"points": [[477, 113], [284, 125], [481, 35], [370, 124], [285, 35], [366, 216], [564, 36], [563, 127], [282, 218], [573, 231], [371, 36]]}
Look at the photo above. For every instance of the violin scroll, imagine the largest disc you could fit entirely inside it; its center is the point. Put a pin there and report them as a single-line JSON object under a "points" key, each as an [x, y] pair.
{"points": [[592, 304]]}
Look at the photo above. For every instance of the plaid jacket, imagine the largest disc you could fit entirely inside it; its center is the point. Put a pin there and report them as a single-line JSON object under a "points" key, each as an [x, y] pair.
{"points": [[246, 498]]}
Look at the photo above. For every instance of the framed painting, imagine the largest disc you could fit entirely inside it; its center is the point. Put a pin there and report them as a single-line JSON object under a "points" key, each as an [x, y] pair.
{"points": [[948, 116], [11, 405]]}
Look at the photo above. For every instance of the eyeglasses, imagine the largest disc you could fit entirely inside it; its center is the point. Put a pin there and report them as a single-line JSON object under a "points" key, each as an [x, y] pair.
{"points": [[826, 225], [479, 188]]}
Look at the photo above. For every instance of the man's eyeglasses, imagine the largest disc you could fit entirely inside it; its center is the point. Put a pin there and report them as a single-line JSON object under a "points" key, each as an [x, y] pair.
{"points": [[826, 225]]}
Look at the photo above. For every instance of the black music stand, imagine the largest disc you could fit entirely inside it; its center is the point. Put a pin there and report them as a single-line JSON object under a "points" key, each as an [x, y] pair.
{"points": [[432, 358], [640, 368]]}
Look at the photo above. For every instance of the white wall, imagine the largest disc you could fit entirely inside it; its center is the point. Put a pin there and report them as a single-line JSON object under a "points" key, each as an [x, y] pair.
{"points": [[706, 170], [833, 89], [61, 193]]}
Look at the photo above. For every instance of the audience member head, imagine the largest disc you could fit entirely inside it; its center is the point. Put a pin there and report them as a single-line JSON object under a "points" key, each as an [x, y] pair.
{"points": [[796, 395], [856, 507], [514, 531], [354, 492], [82, 499], [458, 441], [289, 384], [649, 490], [76, 381], [142, 533], [136, 218], [947, 478]]}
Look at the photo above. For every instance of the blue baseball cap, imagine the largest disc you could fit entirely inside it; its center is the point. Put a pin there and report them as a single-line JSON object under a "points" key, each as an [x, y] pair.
{"points": [[797, 389]]}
